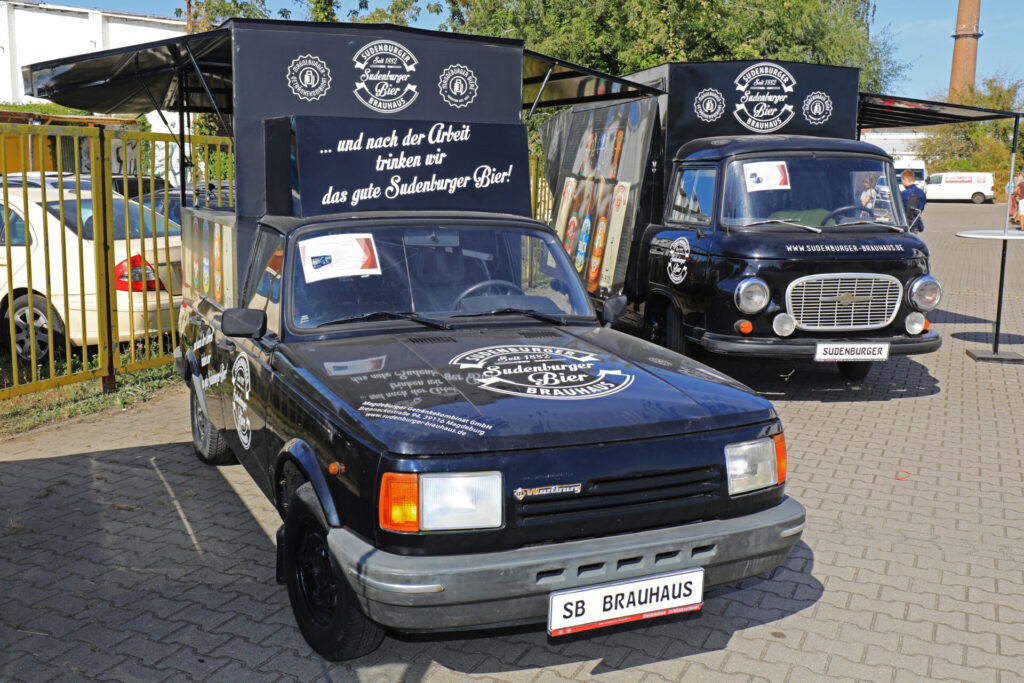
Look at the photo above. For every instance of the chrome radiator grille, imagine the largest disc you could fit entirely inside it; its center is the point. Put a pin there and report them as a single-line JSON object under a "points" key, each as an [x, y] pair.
{"points": [[843, 301]]}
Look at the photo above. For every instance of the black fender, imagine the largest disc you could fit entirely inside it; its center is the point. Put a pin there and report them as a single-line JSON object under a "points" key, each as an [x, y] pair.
{"points": [[301, 455]]}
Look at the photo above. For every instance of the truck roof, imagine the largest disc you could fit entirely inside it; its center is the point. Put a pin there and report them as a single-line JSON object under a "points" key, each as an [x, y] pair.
{"points": [[721, 147], [288, 224]]}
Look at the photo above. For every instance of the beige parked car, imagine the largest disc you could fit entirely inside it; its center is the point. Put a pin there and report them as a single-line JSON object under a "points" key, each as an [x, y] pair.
{"points": [[147, 274]]}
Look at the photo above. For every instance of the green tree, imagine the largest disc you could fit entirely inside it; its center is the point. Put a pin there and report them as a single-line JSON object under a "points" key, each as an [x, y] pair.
{"points": [[983, 146], [203, 15]]}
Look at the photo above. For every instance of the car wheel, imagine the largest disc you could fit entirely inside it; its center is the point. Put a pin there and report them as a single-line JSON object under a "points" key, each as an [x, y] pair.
{"points": [[674, 337], [210, 447], [33, 314], [854, 369], [322, 601], [978, 198]]}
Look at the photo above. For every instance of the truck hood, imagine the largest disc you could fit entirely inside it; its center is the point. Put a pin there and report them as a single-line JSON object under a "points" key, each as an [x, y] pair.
{"points": [[508, 388], [854, 245]]}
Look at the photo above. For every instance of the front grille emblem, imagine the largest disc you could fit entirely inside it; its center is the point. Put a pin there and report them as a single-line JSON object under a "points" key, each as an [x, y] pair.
{"points": [[521, 493], [846, 299]]}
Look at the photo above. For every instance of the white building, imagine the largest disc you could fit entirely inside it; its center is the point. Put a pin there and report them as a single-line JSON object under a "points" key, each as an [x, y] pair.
{"points": [[899, 143], [37, 31]]}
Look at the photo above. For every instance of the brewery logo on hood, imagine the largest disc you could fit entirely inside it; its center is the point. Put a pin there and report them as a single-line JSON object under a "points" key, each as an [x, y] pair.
{"points": [[386, 70], [240, 378], [548, 372], [309, 78], [458, 86], [678, 255], [709, 105], [764, 104], [817, 108]]}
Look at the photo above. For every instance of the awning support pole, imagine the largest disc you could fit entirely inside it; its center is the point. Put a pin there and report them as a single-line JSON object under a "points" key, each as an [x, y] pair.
{"points": [[540, 92], [202, 80], [183, 163], [1002, 264]]}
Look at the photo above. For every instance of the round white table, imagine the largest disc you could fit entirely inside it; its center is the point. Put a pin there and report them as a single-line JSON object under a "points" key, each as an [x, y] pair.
{"points": [[1005, 236]]}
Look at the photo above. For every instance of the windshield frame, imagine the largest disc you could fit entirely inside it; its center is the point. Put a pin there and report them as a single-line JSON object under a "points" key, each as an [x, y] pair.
{"points": [[362, 327], [835, 229]]}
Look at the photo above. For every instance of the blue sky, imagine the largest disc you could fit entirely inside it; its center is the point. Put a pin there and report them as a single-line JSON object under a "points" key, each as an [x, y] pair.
{"points": [[921, 29]]}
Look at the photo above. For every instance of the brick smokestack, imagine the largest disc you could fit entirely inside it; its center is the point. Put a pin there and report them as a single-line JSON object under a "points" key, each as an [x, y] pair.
{"points": [[965, 49]]}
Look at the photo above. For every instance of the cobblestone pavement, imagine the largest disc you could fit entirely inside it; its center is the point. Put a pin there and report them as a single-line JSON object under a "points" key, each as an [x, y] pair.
{"points": [[122, 558]]}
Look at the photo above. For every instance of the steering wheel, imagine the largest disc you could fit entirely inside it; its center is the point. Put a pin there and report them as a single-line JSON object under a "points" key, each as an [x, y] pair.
{"points": [[511, 286], [847, 209]]}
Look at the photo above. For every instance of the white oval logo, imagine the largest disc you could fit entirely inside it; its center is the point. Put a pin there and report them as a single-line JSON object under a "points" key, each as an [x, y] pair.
{"points": [[764, 103], [240, 378], [385, 82], [309, 78]]}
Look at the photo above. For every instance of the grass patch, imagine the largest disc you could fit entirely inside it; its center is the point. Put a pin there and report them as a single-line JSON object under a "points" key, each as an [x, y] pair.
{"points": [[21, 413]]}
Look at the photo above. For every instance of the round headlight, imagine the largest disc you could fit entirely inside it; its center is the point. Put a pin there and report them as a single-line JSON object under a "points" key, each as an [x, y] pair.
{"points": [[751, 295], [914, 323], [925, 293], [784, 324]]}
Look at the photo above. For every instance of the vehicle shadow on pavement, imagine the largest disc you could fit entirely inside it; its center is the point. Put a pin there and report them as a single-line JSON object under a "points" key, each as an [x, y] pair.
{"points": [[941, 317], [806, 380], [728, 609], [989, 337]]}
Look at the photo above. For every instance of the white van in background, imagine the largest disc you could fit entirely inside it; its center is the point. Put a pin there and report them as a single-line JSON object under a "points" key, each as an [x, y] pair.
{"points": [[915, 165], [963, 186]]}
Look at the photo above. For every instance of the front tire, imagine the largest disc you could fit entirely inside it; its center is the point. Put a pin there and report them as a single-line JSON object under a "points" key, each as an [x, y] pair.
{"points": [[854, 370], [674, 336], [978, 198], [210, 447], [322, 601]]}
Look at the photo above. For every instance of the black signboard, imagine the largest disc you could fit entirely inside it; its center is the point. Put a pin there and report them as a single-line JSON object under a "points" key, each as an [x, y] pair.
{"points": [[323, 165]]}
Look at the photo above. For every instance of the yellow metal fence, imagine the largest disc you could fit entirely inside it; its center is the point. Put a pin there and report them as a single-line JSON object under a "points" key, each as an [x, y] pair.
{"points": [[90, 248]]}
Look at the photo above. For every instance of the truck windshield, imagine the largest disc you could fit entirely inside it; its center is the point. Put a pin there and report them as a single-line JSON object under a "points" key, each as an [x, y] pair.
{"points": [[816, 193], [341, 276]]}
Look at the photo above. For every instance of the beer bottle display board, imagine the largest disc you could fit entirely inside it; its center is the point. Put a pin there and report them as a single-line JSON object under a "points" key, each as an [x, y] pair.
{"points": [[208, 255], [600, 165]]}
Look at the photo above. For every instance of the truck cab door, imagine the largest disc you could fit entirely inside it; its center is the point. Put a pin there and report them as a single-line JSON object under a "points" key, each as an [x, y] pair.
{"points": [[679, 255], [249, 361]]}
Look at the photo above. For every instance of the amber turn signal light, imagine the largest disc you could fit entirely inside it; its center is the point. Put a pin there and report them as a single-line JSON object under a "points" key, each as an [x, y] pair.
{"points": [[744, 326], [399, 502], [780, 456]]}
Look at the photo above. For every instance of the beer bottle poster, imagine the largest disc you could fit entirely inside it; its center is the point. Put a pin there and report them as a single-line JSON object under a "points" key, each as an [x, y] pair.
{"points": [[568, 190]]}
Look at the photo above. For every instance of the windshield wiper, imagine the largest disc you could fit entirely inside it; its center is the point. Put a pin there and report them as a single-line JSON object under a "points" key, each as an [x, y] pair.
{"points": [[778, 221], [536, 315], [881, 225], [391, 315]]}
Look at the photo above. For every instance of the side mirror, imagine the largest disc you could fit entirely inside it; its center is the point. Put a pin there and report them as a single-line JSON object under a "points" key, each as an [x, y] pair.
{"points": [[613, 309], [244, 322]]}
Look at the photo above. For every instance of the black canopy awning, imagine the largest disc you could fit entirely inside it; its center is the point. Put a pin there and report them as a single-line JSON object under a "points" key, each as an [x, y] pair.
{"points": [[196, 69], [890, 111]]}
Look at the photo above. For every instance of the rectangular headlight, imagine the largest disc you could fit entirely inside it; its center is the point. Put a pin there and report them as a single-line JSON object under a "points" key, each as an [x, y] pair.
{"points": [[465, 500], [751, 465]]}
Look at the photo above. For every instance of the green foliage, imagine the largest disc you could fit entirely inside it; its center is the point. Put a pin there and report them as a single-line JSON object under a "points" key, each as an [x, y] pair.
{"points": [[47, 108], [622, 36], [981, 146], [208, 14]]}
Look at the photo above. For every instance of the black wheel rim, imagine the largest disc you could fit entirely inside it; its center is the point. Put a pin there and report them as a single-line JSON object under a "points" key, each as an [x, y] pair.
{"points": [[315, 575], [24, 319], [198, 421]]}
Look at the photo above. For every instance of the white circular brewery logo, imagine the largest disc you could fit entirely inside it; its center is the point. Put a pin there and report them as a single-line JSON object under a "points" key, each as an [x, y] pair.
{"points": [[678, 255], [309, 78], [548, 372], [817, 108], [764, 103], [240, 378], [385, 82], [709, 105], [458, 86]]}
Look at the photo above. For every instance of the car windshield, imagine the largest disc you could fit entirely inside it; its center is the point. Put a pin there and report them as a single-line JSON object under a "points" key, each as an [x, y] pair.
{"points": [[136, 219], [438, 272], [814, 193]]}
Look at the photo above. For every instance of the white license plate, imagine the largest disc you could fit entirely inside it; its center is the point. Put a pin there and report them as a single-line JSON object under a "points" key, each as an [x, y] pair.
{"points": [[582, 609], [855, 351]]}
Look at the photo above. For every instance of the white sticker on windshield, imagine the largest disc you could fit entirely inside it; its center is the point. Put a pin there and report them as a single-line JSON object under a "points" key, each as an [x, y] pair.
{"points": [[332, 256], [766, 175]]}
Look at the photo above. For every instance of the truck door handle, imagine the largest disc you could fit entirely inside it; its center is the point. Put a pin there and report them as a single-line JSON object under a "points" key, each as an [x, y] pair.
{"points": [[226, 344], [195, 320]]}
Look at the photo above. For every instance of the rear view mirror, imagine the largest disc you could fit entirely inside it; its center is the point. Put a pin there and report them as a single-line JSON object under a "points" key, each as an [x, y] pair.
{"points": [[244, 322], [431, 237], [613, 309]]}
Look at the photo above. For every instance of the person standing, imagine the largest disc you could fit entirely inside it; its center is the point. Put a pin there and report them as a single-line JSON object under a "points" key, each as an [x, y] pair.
{"points": [[869, 195], [914, 200], [1017, 201]]}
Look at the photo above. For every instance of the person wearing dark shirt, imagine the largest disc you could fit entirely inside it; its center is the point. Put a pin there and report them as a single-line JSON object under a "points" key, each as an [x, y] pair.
{"points": [[914, 200]]}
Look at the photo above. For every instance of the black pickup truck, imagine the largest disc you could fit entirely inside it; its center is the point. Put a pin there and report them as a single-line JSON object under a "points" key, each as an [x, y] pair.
{"points": [[496, 457]]}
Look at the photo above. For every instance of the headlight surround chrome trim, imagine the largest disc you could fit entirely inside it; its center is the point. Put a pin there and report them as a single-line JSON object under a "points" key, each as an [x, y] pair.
{"points": [[746, 286]]}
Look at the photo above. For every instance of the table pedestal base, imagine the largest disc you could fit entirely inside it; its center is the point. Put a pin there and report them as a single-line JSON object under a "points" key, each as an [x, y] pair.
{"points": [[997, 356]]}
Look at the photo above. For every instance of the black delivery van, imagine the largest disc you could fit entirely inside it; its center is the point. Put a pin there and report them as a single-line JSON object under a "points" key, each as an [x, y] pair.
{"points": [[746, 219], [410, 368]]}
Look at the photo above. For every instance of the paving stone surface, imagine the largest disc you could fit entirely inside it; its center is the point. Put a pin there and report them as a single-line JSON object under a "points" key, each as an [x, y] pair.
{"points": [[122, 558]]}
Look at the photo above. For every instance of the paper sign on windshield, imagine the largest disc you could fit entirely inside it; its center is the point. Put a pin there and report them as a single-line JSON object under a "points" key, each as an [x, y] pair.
{"points": [[331, 256], [766, 175]]}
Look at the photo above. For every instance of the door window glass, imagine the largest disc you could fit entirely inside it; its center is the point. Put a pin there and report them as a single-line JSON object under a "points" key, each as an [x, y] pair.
{"points": [[17, 227], [694, 196], [264, 284]]}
